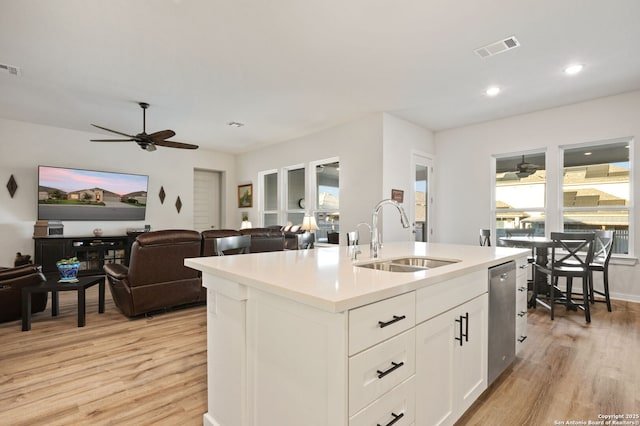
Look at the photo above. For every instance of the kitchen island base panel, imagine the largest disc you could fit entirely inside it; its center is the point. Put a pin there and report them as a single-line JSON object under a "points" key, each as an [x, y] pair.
{"points": [[272, 361], [285, 350]]}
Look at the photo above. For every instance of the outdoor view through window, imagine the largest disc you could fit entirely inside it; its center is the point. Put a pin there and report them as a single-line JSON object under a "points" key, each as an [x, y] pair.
{"points": [[520, 194], [595, 190]]}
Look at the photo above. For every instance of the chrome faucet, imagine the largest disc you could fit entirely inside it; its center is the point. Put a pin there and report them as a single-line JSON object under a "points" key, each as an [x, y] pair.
{"points": [[375, 233]]}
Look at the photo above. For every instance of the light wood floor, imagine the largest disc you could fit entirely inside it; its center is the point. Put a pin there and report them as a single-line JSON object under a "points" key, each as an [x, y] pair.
{"points": [[152, 371]]}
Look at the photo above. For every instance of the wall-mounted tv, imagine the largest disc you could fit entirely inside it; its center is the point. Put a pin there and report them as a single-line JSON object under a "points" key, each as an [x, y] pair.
{"points": [[76, 194]]}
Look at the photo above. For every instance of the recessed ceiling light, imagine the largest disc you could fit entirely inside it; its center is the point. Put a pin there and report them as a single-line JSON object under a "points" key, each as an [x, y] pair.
{"points": [[492, 91], [235, 124], [587, 153], [573, 69]]}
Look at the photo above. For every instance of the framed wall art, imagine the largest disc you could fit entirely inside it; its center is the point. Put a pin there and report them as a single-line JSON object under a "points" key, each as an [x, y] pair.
{"points": [[245, 195], [397, 195]]}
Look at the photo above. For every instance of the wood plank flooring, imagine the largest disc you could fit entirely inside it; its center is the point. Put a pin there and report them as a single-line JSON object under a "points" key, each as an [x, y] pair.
{"points": [[113, 371], [152, 371]]}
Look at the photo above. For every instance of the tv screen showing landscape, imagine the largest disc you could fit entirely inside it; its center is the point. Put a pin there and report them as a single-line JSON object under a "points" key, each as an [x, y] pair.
{"points": [[75, 194]]}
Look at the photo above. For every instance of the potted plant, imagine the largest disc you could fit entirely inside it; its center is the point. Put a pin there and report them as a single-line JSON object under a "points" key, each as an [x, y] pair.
{"points": [[68, 269]]}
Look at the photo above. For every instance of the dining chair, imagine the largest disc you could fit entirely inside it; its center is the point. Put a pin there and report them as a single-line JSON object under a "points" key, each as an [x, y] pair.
{"points": [[236, 244], [485, 237], [571, 255], [602, 249]]}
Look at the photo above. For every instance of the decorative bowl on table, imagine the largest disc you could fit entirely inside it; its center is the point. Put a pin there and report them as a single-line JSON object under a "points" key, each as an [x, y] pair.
{"points": [[68, 269]]}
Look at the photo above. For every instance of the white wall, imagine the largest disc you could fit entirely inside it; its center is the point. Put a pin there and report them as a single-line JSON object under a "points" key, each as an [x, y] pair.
{"points": [[464, 183], [358, 144], [375, 154], [401, 140], [24, 146]]}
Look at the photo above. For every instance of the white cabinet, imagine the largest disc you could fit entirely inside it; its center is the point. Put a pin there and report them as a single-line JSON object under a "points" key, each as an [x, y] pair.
{"points": [[451, 362], [418, 358], [522, 270]]}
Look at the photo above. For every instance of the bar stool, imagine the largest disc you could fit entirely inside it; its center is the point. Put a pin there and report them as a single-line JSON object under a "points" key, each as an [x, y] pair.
{"points": [[603, 247]]}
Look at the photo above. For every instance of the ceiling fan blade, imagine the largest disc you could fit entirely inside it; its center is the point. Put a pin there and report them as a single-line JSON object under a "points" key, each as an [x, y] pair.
{"points": [[162, 135], [112, 140], [112, 131], [172, 144]]}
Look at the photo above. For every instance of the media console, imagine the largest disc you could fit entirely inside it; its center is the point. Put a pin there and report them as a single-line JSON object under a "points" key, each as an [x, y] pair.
{"points": [[92, 252]]}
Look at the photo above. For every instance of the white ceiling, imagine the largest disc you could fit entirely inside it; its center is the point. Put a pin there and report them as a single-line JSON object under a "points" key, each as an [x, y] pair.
{"points": [[287, 68]]}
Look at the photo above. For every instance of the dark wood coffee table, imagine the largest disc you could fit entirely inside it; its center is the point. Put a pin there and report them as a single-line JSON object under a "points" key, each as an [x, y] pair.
{"points": [[52, 285]]}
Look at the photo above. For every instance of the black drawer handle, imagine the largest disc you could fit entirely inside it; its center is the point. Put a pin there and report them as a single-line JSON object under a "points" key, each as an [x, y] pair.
{"points": [[395, 366], [395, 319], [396, 417], [522, 313], [522, 289], [525, 266], [522, 339]]}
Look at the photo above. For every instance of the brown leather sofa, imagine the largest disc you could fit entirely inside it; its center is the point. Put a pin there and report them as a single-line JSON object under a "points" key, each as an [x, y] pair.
{"points": [[12, 280], [298, 240], [156, 278], [265, 239]]}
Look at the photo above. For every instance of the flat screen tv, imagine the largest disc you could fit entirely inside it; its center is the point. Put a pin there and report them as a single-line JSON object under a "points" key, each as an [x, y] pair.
{"points": [[76, 194]]}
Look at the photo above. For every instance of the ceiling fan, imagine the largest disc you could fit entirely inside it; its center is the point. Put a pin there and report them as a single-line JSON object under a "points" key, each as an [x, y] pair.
{"points": [[525, 169], [148, 142]]}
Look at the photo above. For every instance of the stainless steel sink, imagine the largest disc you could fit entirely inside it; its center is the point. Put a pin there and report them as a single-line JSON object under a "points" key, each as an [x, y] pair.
{"points": [[407, 264], [424, 262]]}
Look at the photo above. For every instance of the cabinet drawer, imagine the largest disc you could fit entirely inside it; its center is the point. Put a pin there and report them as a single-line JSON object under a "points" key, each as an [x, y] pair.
{"points": [[438, 298], [399, 403], [521, 333], [375, 371], [521, 301], [522, 267], [373, 323]]}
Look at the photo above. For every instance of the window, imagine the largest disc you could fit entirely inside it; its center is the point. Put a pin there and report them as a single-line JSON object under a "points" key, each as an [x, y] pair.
{"points": [[596, 190], [327, 200], [295, 195], [269, 198], [520, 194]]}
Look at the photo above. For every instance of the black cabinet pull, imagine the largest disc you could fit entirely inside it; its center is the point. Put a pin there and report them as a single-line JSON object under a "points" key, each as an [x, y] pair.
{"points": [[395, 366], [522, 339], [522, 313], [522, 289], [459, 321], [395, 319], [396, 417], [466, 327]]}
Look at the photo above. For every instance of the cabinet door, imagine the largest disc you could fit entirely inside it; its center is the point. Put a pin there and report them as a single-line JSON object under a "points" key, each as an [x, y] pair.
{"points": [[48, 252], [435, 347], [450, 373], [470, 359]]}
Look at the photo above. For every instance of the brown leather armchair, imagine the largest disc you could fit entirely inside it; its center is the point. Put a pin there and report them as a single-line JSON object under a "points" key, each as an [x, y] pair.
{"points": [[12, 280], [156, 277]]}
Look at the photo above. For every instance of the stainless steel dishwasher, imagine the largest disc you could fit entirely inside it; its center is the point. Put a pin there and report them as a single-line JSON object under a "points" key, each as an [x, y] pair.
{"points": [[502, 318]]}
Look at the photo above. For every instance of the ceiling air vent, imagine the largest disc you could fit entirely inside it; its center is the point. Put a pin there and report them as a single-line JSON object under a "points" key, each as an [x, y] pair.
{"points": [[497, 47], [9, 69]]}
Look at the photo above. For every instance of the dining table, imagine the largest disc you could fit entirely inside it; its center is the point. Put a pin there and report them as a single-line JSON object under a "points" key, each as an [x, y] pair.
{"points": [[540, 246]]}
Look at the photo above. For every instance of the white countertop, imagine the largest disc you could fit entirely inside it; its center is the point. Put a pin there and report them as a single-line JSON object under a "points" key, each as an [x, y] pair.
{"points": [[327, 278]]}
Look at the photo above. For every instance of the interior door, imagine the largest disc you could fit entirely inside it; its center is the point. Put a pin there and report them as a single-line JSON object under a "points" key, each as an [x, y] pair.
{"points": [[422, 168], [206, 199]]}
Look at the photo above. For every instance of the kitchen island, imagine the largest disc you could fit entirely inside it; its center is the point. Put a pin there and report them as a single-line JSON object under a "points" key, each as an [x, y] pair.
{"points": [[308, 337]]}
